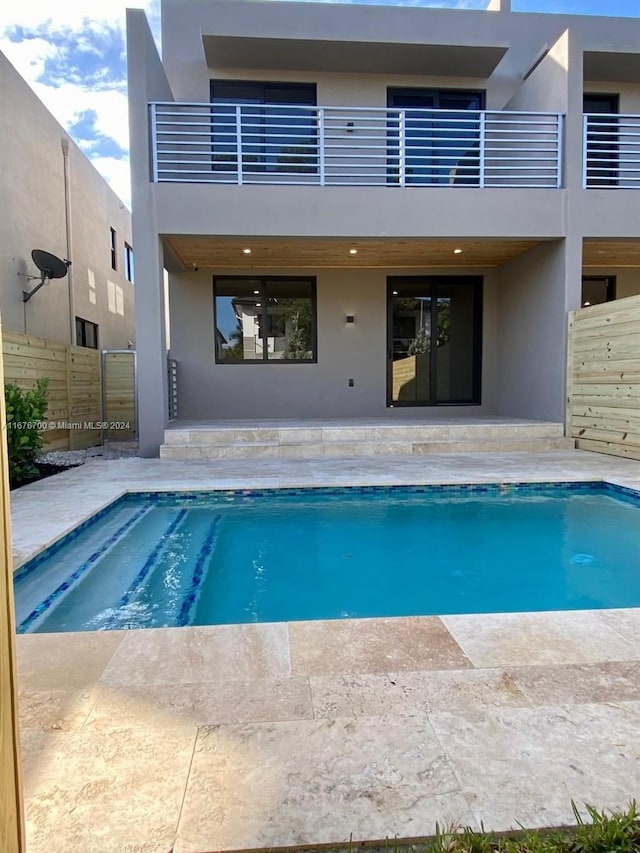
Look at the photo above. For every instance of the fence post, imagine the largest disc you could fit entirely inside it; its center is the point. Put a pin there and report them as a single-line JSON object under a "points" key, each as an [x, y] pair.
{"points": [[69, 365], [569, 382], [11, 809]]}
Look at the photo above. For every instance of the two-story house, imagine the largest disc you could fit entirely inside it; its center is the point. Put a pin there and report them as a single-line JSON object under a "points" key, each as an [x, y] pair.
{"points": [[375, 215]]}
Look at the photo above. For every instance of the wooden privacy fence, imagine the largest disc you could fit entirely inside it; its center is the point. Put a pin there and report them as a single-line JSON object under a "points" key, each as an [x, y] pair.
{"points": [[86, 404], [603, 377]]}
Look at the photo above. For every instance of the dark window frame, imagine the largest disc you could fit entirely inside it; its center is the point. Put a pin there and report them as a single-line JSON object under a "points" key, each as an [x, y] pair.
{"points": [[128, 262], [468, 163], [82, 326], [611, 102], [610, 281], [264, 85], [477, 281], [258, 147], [263, 279], [114, 248], [430, 91]]}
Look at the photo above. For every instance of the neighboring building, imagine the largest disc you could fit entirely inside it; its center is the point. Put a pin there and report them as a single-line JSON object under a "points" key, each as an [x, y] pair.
{"points": [[54, 199], [371, 211]]}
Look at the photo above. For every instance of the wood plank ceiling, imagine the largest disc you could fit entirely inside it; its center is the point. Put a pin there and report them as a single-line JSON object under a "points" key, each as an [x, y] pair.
{"points": [[217, 253], [598, 252]]}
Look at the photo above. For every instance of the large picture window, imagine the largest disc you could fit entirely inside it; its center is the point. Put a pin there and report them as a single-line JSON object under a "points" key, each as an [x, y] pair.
{"points": [[261, 320]]}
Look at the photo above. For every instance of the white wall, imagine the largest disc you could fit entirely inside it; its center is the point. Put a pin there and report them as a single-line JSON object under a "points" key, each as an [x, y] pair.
{"points": [[531, 307], [147, 82], [358, 351], [33, 197]]}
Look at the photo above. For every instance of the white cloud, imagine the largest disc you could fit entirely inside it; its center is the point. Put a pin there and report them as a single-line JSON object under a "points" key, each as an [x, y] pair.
{"points": [[74, 14], [28, 56], [116, 173], [69, 102], [36, 35]]}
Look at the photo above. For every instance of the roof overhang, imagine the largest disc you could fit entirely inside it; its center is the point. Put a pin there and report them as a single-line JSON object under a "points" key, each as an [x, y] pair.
{"points": [[288, 54], [219, 253], [611, 67]]}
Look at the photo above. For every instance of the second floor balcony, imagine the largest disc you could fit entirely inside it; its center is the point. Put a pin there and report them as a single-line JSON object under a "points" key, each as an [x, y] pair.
{"points": [[611, 143], [354, 146]]}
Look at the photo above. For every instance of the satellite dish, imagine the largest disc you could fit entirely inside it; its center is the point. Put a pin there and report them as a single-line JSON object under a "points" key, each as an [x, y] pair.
{"points": [[50, 267]]}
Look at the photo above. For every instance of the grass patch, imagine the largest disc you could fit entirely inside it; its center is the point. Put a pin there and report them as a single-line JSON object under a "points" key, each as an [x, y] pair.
{"points": [[601, 832]]}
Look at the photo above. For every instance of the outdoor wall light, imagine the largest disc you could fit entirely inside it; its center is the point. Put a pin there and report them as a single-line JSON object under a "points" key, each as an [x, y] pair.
{"points": [[350, 318]]}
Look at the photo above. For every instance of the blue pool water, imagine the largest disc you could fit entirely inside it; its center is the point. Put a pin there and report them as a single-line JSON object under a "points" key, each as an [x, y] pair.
{"points": [[155, 560]]}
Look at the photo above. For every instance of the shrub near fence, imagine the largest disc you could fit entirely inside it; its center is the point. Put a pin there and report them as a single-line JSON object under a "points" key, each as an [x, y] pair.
{"points": [[74, 390], [603, 378]]}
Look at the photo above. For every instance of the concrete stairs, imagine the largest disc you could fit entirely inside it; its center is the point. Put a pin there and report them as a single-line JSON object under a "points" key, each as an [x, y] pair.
{"points": [[311, 442]]}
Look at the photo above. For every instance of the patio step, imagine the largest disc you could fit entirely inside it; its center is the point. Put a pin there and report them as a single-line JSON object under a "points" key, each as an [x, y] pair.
{"points": [[335, 441]]}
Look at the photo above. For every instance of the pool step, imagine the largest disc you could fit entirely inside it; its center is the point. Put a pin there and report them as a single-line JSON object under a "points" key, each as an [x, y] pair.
{"points": [[75, 610], [319, 442]]}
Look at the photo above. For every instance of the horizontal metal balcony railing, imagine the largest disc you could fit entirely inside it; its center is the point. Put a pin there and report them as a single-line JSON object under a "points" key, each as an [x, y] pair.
{"points": [[346, 146], [611, 145]]}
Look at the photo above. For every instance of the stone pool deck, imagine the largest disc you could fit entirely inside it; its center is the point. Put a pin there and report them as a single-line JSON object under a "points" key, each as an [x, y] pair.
{"points": [[256, 736]]}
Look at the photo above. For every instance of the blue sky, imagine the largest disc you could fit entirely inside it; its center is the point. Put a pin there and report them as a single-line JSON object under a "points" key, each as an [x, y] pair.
{"points": [[72, 53]]}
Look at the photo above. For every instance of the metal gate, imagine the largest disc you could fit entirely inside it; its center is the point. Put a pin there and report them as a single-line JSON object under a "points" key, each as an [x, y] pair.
{"points": [[119, 407]]}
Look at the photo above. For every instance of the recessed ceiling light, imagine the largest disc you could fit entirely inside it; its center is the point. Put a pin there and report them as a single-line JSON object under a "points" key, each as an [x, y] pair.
{"points": [[395, 292], [457, 251], [353, 251], [256, 293], [258, 304], [246, 251]]}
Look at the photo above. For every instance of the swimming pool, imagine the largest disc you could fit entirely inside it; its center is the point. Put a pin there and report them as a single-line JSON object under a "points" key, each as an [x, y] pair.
{"points": [[173, 559]]}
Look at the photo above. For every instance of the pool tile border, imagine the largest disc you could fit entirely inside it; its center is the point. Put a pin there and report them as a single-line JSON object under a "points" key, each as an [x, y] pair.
{"points": [[163, 497]]}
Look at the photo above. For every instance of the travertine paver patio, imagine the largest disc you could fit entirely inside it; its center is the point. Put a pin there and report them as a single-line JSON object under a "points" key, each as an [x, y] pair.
{"points": [[237, 737]]}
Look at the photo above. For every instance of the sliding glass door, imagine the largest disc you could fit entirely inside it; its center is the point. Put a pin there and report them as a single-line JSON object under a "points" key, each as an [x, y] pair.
{"points": [[602, 139], [439, 147], [434, 329]]}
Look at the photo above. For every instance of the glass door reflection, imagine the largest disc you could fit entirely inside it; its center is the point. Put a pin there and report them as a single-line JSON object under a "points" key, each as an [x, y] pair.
{"points": [[434, 347]]}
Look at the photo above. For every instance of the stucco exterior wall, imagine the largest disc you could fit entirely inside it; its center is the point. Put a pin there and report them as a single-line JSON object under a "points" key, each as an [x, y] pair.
{"points": [[531, 310], [184, 22], [147, 82], [32, 188], [345, 351]]}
